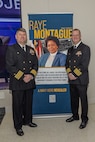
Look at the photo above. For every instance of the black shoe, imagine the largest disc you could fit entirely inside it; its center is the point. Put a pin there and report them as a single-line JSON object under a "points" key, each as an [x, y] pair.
{"points": [[83, 124], [32, 125], [72, 119], [20, 132]]}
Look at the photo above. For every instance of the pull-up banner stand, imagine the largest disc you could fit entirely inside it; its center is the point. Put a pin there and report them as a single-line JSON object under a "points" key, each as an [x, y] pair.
{"points": [[52, 95]]}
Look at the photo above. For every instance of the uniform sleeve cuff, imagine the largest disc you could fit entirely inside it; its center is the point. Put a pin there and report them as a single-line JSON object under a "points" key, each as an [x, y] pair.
{"points": [[77, 72], [34, 72], [68, 70]]}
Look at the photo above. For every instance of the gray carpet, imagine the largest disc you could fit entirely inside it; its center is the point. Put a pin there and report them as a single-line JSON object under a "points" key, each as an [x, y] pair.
{"points": [[2, 113]]}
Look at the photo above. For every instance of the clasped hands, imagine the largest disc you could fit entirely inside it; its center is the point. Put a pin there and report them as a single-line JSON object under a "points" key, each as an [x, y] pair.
{"points": [[27, 78], [71, 76]]}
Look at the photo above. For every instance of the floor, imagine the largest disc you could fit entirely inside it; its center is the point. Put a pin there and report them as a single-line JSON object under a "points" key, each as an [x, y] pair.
{"points": [[49, 129]]}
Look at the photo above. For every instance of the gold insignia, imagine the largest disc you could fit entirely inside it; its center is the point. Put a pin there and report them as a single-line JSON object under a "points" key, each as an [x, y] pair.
{"points": [[77, 72], [19, 74], [79, 53], [32, 52], [33, 72], [68, 70]]}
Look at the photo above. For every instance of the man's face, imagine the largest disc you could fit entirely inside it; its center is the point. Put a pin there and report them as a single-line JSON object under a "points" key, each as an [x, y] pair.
{"points": [[52, 46], [76, 36], [21, 37]]}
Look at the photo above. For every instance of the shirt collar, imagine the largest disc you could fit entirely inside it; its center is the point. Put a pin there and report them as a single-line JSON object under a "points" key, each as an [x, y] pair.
{"points": [[53, 54], [77, 44], [22, 45]]}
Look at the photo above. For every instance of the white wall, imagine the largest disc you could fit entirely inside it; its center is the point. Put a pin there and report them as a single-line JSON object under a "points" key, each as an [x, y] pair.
{"points": [[83, 19]]}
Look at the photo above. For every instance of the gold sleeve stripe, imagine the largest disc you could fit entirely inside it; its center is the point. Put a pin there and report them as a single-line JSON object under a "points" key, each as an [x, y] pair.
{"points": [[19, 75], [33, 72], [77, 72], [68, 70]]}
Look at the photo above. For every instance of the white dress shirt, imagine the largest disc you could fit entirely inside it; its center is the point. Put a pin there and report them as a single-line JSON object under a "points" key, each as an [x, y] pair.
{"points": [[50, 59]]}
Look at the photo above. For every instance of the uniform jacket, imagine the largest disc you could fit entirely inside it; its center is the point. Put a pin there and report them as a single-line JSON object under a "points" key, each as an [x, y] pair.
{"points": [[77, 63], [18, 63], [59, 60]]}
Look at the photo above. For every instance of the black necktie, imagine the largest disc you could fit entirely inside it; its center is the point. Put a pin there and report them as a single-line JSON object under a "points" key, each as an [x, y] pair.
{"points": [[24, 49]]}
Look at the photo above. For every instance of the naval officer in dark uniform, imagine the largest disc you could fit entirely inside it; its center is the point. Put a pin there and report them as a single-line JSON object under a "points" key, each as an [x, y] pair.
{"points": [[22, 64], [77, 62]]}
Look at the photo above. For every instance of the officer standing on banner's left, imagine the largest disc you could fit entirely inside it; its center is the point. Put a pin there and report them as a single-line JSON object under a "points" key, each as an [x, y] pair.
{"points": [[22, 64]]}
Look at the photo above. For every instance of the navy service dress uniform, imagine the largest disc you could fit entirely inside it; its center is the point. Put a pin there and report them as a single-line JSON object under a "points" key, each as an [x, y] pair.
{"points": [[19, 63], [77, 63]]}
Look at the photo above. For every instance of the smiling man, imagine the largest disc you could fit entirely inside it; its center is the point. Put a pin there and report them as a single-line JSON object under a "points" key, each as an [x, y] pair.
{"points": [[77, 63], [22, 64]]}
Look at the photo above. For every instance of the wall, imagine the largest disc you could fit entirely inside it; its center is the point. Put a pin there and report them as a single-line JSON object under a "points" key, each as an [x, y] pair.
{"points": [[83, 19]]}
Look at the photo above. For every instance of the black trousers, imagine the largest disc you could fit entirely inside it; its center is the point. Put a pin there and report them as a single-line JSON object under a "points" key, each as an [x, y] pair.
{"points": [[22, 107], [79, 91]]}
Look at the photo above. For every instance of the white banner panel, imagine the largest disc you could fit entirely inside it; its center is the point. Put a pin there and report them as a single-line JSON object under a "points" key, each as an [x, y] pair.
{"points": [[53, 75]]}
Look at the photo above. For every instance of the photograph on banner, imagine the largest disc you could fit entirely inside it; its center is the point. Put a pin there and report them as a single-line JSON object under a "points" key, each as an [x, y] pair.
{"points": [[43, 25], [50, 36], [10, 21]]}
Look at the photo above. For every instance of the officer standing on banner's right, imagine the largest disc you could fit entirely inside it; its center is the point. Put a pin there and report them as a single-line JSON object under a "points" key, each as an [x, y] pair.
{"points": [[77, 62]]}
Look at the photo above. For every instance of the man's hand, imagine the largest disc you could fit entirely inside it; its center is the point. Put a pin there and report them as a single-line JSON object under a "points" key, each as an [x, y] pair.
{"points": [[27, 78], [71, 76]]}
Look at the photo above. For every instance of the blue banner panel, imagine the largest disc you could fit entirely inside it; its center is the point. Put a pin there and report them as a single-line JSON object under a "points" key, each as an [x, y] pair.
{"points": [[51, 102], [43, 25]]}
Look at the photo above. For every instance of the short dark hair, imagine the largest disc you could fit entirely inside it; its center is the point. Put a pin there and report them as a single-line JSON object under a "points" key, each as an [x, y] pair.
{"points": [[77, 30], [21, 29], [55, 39]]}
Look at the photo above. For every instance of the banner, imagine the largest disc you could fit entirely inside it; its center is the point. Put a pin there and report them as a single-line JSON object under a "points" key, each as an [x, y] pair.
{"points": [[52, 95]]}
